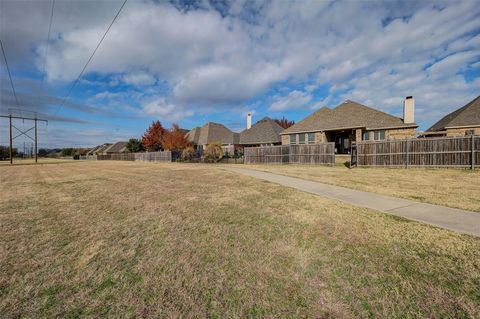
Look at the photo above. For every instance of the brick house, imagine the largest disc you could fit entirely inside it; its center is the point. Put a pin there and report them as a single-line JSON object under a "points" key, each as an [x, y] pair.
{"points": [[349, 122], [461, 122]]}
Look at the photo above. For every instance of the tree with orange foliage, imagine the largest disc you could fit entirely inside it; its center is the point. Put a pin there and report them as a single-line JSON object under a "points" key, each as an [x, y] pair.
{"points": [[283, 122], [154, 136], [175, 139]]}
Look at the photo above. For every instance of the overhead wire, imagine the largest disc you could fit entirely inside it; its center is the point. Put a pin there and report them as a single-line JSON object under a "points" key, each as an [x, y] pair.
{"points": [[89, 59], [40, 94], [9, 74]]}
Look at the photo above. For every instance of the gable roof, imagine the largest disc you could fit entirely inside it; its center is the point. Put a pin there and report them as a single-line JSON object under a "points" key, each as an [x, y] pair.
{"points": [[119, 147], [346, 115], [102, 148], [264, 131], [93, 150], [193, 135], [468, 115], [212, 132]]}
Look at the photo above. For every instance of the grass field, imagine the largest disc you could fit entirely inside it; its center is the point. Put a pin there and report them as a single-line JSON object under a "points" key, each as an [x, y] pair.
{"points": [[120, 239], [458, 188], [31, 161]]}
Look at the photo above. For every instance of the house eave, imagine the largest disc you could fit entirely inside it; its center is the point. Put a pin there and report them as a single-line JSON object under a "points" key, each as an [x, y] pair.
{"points": [[264, 142], [461, 126], [352, 128]]}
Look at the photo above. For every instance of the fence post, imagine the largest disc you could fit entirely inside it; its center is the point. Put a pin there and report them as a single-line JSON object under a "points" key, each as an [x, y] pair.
{"points": [[356, 156], [406, 152], [473, 152]]}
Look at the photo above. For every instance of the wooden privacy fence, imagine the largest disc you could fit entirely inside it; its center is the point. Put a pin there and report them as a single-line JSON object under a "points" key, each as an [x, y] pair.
{"points": [[165, 156], [420, 152], [323, 153]]}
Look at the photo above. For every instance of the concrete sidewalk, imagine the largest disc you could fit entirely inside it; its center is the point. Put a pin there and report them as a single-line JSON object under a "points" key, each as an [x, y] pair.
{"points": [[458, 220]]}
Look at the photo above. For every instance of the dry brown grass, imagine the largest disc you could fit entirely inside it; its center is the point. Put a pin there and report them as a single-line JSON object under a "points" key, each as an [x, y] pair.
{"points": [[458, 188], [31, 161], [116, 239]]}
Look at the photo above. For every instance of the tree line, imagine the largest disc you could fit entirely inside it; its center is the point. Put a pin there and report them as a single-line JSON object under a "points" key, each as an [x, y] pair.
{"points": [[157, 138]]}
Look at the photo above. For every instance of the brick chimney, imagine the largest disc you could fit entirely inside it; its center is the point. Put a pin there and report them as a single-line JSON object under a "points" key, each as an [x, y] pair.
{"points": [[249, 120], [409, 110]]}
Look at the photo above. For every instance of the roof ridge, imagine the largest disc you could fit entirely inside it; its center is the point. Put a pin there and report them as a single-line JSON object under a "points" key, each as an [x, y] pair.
{"points": [[452, 116], [368, 107]]}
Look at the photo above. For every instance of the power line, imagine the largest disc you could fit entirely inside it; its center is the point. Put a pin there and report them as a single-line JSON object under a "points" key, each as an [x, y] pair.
{"points": [[90, 59], [9, 74], [46, 49]]}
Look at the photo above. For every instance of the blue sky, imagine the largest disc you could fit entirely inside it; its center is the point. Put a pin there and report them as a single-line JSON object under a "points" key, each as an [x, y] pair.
{"points": [[198, 61]]}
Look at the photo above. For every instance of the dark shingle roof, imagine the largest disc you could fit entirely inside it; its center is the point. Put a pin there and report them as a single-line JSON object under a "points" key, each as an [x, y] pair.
{"points": [[93, 150], [264, 131], [193, 135], [468, 115], [119, 147], [212, 132], [349, 114], [102, 148]]}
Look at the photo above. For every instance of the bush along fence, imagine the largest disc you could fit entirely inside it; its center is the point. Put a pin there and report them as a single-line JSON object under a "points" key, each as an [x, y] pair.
{"points": [[165, 156], [422, 152], [323, 153]]}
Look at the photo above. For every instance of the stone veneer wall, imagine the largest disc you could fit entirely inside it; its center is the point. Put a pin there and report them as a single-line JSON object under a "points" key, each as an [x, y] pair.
{"points": [[320, 137], [462, 131], [403, 133]]}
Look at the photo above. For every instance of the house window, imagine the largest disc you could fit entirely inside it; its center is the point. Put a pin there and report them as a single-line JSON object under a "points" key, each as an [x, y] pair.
{"points": [[379, 135], [301, 138], [366, 136], [311, 138], [293, 139]]}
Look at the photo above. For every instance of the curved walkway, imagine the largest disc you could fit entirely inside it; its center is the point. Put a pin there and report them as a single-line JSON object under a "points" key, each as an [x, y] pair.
{"points": [[458, 220]]}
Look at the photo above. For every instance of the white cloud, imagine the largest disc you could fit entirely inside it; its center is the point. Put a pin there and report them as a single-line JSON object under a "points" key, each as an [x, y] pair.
{"points": [[160, 108], [373, 54], [453, 63], [294, 100], [139, 78]]}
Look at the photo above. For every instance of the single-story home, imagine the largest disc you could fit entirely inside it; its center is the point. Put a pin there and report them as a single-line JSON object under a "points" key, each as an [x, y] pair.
{"points": [[461, 122], [119, 147], [91, 151], [350, 122], [211, 132], [98, 150], [265, 132], [109, 148]]}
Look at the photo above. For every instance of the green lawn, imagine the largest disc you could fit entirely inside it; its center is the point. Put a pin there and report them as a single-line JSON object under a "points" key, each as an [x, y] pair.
{"points": [[119, 239]]}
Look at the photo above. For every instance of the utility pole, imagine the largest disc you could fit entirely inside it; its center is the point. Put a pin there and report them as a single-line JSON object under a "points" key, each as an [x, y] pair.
{"points": [[36, 141], [35, 128], [11, 141]]}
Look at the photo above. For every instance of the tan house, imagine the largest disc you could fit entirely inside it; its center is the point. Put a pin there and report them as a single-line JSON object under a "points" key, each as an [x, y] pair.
{"points": [[461, 122], [211, 132], [349, 122], [100, 149], [117, 148]]}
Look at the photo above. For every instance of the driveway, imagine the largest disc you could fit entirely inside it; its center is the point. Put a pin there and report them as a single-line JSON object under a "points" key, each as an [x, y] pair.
{"points": [[458, 220]]}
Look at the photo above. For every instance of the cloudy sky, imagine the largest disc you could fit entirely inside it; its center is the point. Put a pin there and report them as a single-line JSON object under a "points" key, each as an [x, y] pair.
{"points": [[192, 62]]}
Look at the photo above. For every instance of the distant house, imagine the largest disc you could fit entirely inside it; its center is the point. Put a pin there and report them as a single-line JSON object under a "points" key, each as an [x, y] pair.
{"points": [[350, 122], [119, 147], [265, 132], [211, 132], [98, 150], [109, 148], [461, 122], [93, 150]]}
